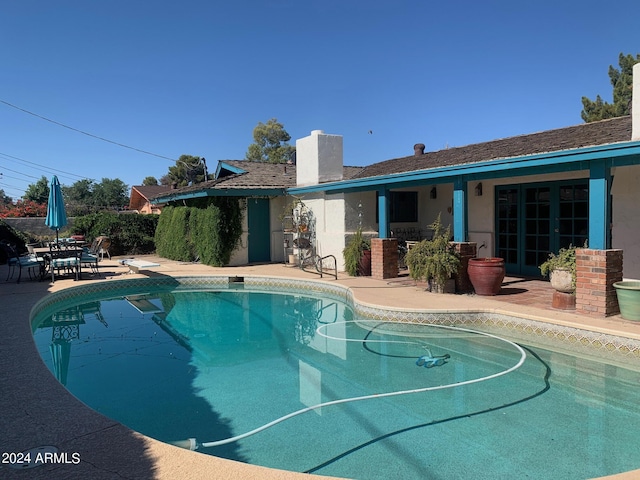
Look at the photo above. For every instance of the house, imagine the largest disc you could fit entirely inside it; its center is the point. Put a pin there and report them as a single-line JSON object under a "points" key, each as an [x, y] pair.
{"points": [[140, 195], [263, 187], [518, 198]]}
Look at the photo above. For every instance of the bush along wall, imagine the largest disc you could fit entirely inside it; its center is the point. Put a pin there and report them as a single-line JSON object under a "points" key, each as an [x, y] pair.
{"points": [[207, 230], [130, 234]]}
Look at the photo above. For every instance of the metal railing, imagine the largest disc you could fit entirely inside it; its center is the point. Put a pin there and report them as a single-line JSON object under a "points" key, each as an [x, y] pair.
{"points": [[320, 265]]}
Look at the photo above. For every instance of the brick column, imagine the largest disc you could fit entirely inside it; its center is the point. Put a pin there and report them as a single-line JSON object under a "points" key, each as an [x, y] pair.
{"points": [[384, 258], [466, 250], [596, 272]]}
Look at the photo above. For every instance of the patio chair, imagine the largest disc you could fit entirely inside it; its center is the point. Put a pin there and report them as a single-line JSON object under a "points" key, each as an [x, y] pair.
{"points": [[15, 260], [103, 247], [63, 259], [89, 258]]}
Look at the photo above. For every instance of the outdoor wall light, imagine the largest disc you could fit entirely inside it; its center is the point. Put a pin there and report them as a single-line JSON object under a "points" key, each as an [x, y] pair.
{"points": [[479, 189], [433, 193]]}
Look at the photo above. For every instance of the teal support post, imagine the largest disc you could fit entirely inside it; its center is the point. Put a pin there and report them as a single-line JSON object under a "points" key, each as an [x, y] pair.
{"points": [[383, 213], [599, 204], [460, 210]]}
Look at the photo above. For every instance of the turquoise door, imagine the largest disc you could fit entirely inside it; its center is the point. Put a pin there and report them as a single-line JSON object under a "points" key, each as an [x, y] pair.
{"points": [[259, 242], [535, 219]]}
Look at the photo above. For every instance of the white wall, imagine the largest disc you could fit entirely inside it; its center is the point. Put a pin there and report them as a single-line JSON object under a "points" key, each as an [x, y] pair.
{"points": [[240, 255], [276, 212], [329, 213], [625, 232], [318, 158], [635, 105]]}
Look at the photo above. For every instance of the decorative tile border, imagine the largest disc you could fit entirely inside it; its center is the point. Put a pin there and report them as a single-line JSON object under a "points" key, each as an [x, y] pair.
{"points": [[571, 340]]}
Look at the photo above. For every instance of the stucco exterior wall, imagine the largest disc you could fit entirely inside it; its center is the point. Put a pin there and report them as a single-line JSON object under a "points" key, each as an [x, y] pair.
{"points": [[276, 212], [625, 230], [240, 255]]}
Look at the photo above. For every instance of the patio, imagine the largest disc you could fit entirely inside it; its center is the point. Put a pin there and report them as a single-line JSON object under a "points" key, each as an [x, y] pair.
{"points": [[38, 411]]}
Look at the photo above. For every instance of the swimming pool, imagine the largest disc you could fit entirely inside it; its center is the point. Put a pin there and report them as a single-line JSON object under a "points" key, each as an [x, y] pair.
{"points": [[177, 362]]}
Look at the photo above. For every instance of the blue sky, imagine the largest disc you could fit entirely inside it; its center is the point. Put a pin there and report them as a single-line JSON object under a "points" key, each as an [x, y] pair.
{"points": [[195, 77]]}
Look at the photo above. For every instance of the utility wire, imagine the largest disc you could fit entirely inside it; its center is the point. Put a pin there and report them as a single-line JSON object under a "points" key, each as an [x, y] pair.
{"points": [[15, 171], [86, 133], [41, 166]]}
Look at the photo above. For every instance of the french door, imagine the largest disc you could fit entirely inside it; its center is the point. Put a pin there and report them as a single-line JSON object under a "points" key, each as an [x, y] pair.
{"points": [[535, 219]]}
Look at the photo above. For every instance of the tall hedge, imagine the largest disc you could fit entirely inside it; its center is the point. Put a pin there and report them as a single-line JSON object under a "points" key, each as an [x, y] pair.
{"points": [[207, 230]]}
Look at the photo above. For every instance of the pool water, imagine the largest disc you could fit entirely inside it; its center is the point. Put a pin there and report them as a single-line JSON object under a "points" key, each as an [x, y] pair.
{"points": [[213, 365]]}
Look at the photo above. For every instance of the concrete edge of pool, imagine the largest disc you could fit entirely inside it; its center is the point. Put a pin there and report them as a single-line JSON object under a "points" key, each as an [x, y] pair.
{"points": [[38, 411]]}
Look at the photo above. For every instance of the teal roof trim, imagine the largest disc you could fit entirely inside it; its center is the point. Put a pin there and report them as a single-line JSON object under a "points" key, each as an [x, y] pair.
{"points": [[222, 165], [220, 192], [619, 154]]}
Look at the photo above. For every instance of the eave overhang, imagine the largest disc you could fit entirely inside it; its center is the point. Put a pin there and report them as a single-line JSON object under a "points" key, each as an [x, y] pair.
{"points": [[220, 192], [618, 154]]}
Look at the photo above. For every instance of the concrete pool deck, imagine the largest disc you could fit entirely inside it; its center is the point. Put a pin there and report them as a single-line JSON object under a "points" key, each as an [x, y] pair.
{"points": [[38, 411]]}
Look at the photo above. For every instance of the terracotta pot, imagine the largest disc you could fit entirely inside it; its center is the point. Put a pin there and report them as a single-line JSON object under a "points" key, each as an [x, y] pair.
{"points": [[486, 275], [364, 265]]}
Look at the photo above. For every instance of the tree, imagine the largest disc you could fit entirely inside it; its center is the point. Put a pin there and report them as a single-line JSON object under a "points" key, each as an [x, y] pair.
{"points": [[622, 82], [39, 191], [4, 199], [86, 196], [187, 170], [270, 143], [149, 181], [110, 193], [80, 193]]}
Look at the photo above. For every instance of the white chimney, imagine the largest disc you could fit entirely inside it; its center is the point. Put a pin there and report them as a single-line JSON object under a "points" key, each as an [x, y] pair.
{"points": [[635, 104], [318, 158]]}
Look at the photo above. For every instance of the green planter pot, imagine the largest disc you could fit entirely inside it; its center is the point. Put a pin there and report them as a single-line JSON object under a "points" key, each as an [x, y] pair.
{"points": [[628, 293]]}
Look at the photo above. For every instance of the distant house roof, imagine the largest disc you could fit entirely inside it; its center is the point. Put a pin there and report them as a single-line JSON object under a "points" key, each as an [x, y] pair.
{"points": [[244, 178], [149, 191], [609, 131]]}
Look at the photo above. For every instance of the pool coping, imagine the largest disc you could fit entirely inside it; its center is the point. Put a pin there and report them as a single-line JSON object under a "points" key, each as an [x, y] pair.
{"points": [[108, 449]]}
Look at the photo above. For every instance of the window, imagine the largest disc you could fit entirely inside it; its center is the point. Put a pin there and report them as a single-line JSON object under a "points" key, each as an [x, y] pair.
{"points": [[403, 207]]}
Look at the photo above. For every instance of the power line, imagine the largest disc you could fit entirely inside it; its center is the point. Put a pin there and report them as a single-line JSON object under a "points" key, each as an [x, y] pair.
{"points": [[15, 171], [43, 167], [86, 133]]}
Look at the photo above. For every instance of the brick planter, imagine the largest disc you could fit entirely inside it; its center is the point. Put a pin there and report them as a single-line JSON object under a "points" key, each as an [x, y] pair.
{"points": [[596, 272], [384, 258]]}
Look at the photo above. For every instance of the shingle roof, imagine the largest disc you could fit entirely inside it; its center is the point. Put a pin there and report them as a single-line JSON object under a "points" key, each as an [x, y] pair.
{"points": [[256, 176], [149, 191], [613, 130]]}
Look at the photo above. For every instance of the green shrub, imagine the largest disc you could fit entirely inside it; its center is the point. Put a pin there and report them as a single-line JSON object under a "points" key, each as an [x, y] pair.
{"points": [[434, 259], [352, 252], [209, 230], [130, 234]]}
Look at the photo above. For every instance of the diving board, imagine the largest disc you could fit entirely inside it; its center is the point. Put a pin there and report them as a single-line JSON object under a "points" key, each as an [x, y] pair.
{"points": [[136, 265]]}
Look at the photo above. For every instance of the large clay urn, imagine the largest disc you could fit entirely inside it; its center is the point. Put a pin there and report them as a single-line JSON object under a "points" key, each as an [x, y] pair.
{"points": [[486, 274], [364, 264]]}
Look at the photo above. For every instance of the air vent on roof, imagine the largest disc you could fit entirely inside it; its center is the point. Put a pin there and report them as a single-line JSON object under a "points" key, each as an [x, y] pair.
{"points": [[418, 149]]}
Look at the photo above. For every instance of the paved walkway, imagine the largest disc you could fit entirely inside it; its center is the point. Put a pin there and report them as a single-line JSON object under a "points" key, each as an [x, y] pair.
{"points": [[37, 411]]}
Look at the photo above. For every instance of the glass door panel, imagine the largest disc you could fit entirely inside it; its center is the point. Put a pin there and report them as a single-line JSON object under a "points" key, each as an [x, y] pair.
{"points": [[535, 219], [537, 206]]}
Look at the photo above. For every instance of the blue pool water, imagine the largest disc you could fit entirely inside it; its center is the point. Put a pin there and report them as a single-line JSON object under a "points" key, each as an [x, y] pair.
{"points": [[213, 365]]}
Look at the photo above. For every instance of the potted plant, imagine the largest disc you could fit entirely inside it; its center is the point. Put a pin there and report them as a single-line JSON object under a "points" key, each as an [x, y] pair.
{"points": [[561, 269], [628, 294], [486, 274], [435, 260], [357, 255]]}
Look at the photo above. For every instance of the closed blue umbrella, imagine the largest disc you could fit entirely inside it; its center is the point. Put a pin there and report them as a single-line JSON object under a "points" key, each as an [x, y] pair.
{"points": [[56, 214]]}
